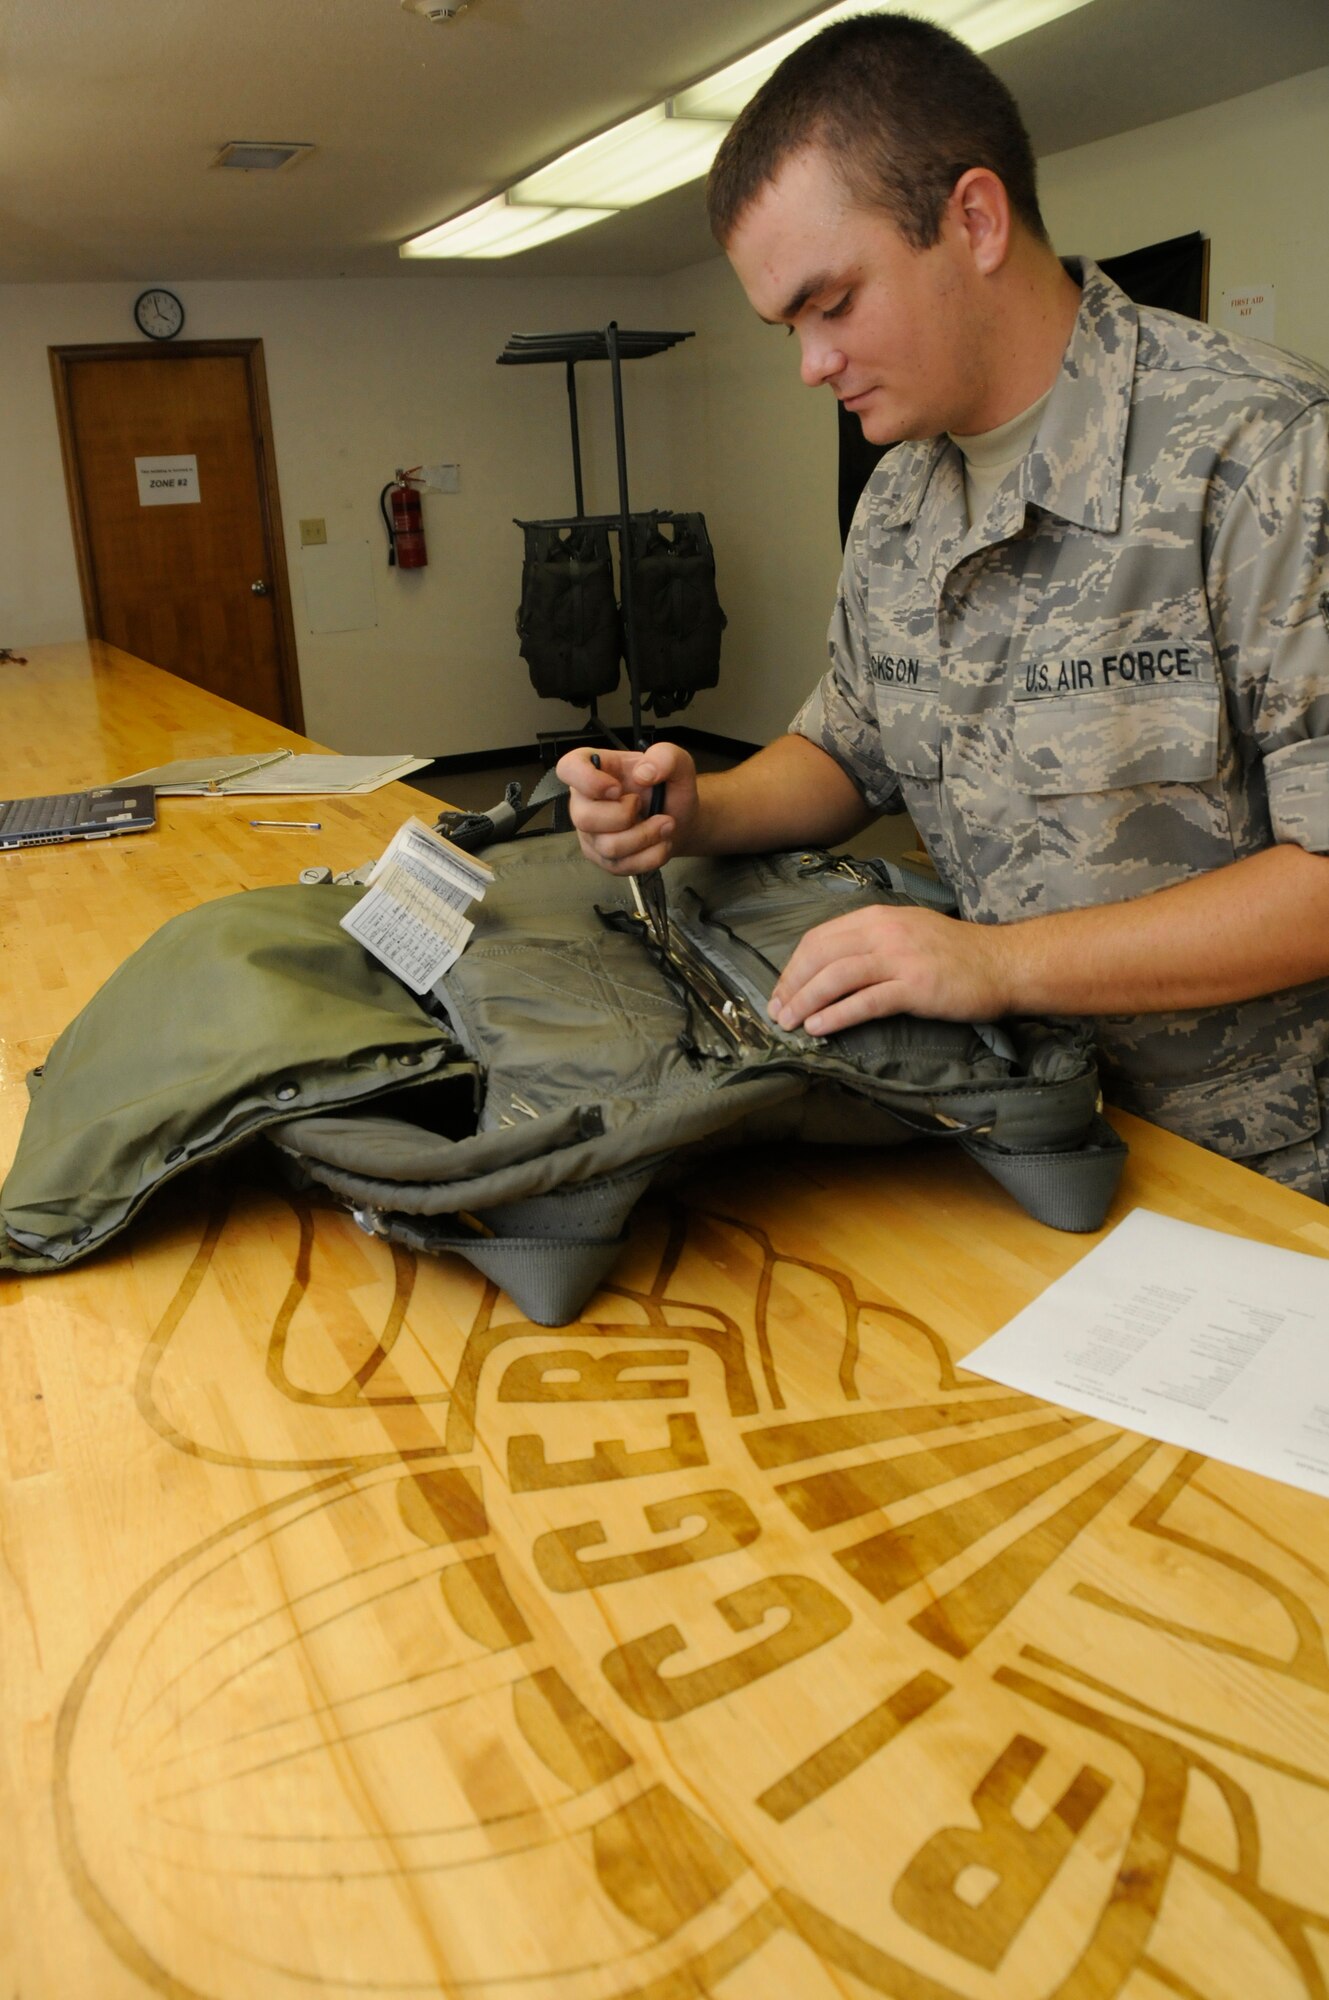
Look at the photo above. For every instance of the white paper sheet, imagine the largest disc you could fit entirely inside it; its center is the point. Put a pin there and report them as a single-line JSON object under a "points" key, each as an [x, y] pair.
{"points": [[311, 772], [1203, 1340], [339, 587], [275, 771], [168, 482], [1248, 309]]}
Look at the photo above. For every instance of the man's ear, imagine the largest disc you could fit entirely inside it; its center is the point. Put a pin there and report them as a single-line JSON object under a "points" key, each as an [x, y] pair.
{"points": [[980, 209]]}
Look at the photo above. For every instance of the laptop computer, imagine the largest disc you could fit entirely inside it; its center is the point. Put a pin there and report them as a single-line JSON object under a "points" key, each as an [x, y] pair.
{"points": [[92, 815]]}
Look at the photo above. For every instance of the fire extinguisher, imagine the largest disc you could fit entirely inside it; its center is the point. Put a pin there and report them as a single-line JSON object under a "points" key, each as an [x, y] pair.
{"points": [[405, 524]]}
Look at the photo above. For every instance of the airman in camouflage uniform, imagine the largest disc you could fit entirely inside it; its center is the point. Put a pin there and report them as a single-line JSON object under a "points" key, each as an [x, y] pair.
{"points": [[1098, 676], [1118, 678]]}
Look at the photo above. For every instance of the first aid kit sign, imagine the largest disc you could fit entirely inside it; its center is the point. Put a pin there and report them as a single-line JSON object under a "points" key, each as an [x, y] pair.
{"points": [[168, 482]]}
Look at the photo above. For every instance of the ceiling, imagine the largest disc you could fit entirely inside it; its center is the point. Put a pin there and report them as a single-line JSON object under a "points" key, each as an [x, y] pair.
{"points": [[110, 115]]}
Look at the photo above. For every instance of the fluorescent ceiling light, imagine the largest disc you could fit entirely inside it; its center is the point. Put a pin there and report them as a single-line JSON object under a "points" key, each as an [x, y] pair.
{"points": [[675, 142], [499, 228], [984, 24], [633, 162], [996, 21]]}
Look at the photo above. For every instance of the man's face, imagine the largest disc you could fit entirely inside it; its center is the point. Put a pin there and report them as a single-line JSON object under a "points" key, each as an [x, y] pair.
{"points": [[892, 330]]}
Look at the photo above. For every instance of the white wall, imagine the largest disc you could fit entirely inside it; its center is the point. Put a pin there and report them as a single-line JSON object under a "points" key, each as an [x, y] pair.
{"points": [[758, 452], [366, 376], [1250, 174], [363, 377]]}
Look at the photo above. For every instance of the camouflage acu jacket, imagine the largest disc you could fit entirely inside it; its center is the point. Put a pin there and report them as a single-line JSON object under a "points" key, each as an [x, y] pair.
{"points": [[1117, 678]]}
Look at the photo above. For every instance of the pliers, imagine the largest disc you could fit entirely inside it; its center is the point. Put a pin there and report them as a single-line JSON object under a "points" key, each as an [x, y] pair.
{"points": [[648, 889]]}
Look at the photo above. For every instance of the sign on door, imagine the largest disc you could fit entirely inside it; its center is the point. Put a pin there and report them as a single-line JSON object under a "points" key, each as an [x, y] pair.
{"points": [[168, 482]]}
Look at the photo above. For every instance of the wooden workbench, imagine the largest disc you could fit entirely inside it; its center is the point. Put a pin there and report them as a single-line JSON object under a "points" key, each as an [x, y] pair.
{"points": [[358, 1637]]}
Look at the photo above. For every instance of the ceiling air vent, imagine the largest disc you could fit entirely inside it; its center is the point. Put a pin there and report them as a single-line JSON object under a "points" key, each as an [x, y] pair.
{"points": [[436, 10], [262, 156]]}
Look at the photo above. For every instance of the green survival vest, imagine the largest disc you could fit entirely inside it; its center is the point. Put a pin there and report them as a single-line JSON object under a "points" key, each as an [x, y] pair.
{"points": [[558, 1067]]}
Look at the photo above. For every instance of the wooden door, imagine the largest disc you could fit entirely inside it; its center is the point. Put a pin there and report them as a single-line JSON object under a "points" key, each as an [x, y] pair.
{"points": [[193, 581]]}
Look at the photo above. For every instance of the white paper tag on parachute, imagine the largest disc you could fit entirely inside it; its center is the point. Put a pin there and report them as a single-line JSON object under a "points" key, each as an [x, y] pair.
{"points": [[412, 915]]}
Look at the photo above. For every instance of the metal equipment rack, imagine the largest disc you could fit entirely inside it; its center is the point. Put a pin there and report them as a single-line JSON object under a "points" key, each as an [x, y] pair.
{"points": [[615, 345]]}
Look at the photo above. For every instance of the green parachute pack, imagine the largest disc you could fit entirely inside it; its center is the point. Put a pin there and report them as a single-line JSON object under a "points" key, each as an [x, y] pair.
{"points": [[517, 1113]]}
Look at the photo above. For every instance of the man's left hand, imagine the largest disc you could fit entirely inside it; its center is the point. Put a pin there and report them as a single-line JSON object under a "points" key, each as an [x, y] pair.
{"points": [[891, 961]]}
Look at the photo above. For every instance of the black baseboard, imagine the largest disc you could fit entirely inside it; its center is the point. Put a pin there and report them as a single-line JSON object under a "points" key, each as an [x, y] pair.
{"points": [[539, 753], [483, 760]]}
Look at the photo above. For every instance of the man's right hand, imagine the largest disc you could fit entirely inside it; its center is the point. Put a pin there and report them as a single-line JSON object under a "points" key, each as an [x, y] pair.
{"points": [[609, 805]]}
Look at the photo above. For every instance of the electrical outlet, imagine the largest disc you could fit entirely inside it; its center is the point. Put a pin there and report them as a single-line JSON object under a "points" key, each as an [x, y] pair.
{"points": [[312, 533], [442, 478]]}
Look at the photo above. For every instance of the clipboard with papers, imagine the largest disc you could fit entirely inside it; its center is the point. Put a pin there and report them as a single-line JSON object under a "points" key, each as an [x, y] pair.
{"points": [[275, 772]]}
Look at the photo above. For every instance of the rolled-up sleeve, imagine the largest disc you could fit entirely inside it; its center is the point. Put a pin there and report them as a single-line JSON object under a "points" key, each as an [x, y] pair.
{"points": [[1269, 596]]}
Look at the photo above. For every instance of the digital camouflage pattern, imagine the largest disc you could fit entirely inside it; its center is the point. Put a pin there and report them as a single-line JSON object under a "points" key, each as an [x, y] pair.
{"points": [[1116, 678]]}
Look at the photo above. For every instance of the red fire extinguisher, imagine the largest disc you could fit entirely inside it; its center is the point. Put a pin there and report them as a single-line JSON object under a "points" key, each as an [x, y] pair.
{"points": [[405, 524]]}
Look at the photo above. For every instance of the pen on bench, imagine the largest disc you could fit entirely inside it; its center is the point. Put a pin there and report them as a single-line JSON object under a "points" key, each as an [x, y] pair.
{"points": [[302, 825]]}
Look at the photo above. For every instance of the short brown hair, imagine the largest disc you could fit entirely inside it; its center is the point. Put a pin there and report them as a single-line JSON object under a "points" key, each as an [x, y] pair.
{"points": [[901, 107]]}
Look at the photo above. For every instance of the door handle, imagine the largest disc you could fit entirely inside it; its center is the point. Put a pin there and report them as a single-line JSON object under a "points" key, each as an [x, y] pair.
{"points": [[260, 589]]}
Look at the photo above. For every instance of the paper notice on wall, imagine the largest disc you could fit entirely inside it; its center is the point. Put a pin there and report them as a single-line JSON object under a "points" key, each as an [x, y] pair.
{"points": [[1250, 309], [339, 587], [412, 917], [1205, 1340], [168, 482]]}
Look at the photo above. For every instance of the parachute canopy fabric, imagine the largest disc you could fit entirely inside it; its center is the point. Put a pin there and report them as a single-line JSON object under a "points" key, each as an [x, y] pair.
{"points": [[517, 1114]]}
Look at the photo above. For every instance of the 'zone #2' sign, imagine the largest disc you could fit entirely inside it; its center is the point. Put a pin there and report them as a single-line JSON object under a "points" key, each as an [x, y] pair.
{"points": [[168, 482]]}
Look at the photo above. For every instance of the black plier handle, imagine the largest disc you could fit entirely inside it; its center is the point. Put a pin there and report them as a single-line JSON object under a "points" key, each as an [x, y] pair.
{"points": [[648, 889]]}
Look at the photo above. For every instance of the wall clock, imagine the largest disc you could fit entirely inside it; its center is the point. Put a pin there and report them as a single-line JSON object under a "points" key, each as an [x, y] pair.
{"points": [[158, 313]]}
